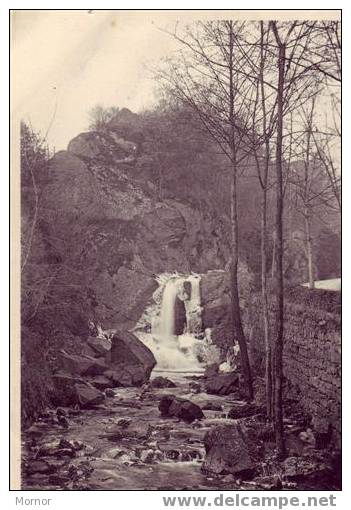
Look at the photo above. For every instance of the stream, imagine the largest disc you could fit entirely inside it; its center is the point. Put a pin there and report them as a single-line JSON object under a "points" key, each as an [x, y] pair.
{"points": [[124, 444]]}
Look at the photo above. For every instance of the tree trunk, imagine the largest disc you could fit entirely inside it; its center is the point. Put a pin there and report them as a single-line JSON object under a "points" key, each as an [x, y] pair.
{"points": [[279, 283], [236, 314], [273, 254], [265, 313], [309, 252]]}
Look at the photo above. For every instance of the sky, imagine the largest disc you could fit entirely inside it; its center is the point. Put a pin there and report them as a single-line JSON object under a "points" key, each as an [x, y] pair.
{"points": [[64, 63]]}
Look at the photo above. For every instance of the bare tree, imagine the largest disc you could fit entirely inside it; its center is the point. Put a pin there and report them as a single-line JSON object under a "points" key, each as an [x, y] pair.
{"points": [[208, 76], [295, 44]]}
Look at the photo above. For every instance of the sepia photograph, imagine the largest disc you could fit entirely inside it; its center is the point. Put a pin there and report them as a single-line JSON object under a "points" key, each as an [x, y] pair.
{"points": [[176, 250]]}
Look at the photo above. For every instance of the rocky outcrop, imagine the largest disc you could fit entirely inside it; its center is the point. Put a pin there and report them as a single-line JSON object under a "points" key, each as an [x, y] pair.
{"points": [[103, 233], [216, 308], [113, 229], [130, 353], [124, 362], [123, 297], [227, 452]]}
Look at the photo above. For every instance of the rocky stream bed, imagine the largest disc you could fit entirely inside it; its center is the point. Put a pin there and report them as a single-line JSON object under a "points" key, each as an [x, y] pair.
{"points": [[126, 443]]}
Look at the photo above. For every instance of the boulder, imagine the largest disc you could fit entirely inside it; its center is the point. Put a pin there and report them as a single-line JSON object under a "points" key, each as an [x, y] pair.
{"points": [[101, 346], [126, 375], [222, 384], [130, 356], [171, 406], [81, 364], [70, 391], [162, 382], [64, 389], [227, 452], [87, 395]]}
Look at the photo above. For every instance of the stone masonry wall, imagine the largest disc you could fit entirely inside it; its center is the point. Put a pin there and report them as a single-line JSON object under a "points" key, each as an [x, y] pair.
{"points": [[312, 352]]}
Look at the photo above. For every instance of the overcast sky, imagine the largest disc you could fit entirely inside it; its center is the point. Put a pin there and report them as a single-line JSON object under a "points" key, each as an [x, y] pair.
{"points": [[71, 61], [66, 62]]}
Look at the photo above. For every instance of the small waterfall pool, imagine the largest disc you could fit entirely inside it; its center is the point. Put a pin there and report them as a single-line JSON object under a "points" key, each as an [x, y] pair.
{"points": [[176, 349]]}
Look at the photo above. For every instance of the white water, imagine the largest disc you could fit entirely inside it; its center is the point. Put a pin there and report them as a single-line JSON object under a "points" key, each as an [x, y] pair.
{"points": [[172, 352], [165, 327]]}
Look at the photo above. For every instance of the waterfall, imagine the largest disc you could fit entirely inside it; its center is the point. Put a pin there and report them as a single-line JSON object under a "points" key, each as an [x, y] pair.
{"points": [[166, 323], [176, 352]]}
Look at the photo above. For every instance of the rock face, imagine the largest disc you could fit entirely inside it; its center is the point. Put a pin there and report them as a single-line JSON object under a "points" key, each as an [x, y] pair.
{"points": [[128, 351], [216, 307], [171, 406], [179, 316], [101, 203], [227, 452]]}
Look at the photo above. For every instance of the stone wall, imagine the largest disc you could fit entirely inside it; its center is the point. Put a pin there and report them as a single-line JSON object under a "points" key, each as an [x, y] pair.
{"points": [[312, 352]]}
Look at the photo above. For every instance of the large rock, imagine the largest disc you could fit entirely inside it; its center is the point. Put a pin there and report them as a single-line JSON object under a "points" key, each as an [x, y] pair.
{"points": [[96, 145], [162, 382], [171, 406], [71, 390], [64, 389], [222, 384], [82, 364], [87, 395], [227, 452], [123, 297], [122, 375], [129, 352]]}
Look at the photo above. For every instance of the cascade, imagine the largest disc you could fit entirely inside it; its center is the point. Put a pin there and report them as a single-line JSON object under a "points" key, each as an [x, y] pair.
{"points": [[176, 352]]}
